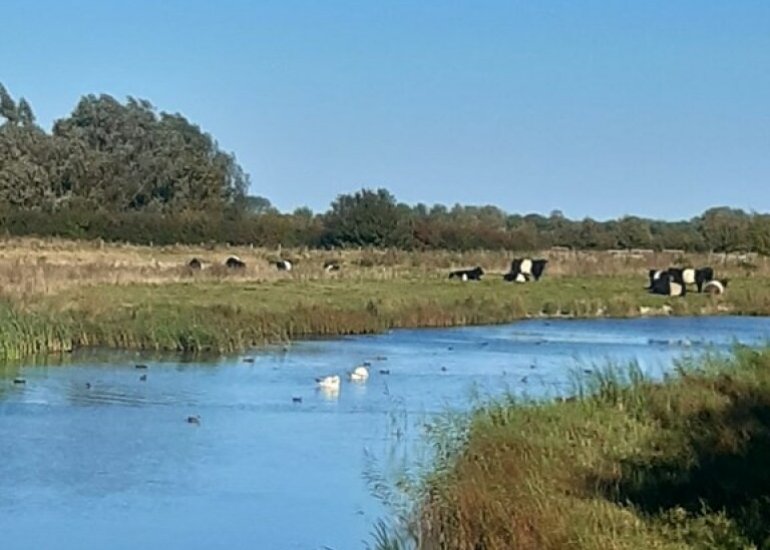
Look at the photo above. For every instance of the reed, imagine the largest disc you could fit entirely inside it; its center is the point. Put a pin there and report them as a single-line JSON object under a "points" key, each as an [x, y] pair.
{"points": [[630, 463]]}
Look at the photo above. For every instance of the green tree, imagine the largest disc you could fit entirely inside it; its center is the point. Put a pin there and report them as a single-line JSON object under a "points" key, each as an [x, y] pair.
{"points": [[365, 218]]}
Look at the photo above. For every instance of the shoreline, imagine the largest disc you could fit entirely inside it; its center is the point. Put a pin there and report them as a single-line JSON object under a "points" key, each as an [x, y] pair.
{"points": [[216, 330]]}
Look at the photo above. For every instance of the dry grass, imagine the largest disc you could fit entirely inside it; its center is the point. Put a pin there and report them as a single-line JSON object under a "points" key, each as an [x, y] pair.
{"points": [[32, 267]]}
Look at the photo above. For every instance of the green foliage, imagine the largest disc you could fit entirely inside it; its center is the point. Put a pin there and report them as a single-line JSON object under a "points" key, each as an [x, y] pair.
{"points": [[124, 171], [365, 218], [113, 158]]}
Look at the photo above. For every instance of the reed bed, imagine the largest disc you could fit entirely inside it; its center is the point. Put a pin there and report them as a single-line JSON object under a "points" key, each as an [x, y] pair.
{"points": [[629, 463]]}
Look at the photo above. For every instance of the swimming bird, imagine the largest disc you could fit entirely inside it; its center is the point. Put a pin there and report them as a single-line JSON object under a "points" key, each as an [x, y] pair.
{"points": [[384, 371], [296, 399], [248, 359], [88, 385], [143, 378], [140, 366], [443, 369], [359, 374], [328, 382], [194, 420], [19, 381]]}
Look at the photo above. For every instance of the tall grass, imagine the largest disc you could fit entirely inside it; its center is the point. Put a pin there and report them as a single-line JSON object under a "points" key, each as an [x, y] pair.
{"points": [[631, 463]]}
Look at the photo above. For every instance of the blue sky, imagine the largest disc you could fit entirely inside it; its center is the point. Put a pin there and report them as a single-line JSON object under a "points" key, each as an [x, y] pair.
{"points": [[656, 108]]}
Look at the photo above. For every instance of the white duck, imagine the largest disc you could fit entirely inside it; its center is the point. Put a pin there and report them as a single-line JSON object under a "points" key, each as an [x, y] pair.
{"points": [[329, 382], [359, 374]]}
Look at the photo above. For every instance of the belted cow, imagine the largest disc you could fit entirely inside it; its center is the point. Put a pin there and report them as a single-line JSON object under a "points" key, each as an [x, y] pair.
{"points": [[690, 276], [283, 265], [667, 285], [474, 274], [715, 286], [525, 269], [234, 262]]}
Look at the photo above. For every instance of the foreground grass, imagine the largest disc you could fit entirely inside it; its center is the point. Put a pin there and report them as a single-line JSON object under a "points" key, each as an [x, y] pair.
{"points": [[222, 316], [629, 464]]}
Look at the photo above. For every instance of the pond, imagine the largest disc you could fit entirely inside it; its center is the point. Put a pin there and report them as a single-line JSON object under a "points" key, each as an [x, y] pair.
{"points": [[95, 457]]}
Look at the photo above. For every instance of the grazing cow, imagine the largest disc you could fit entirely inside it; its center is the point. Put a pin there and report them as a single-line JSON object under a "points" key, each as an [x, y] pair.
{"points": [[702, 276], [283, 265], [195, 264], [715, 286], [525, 269], [234, 262], [668, 285], [474, 274], [331, 265], [690, 276]]}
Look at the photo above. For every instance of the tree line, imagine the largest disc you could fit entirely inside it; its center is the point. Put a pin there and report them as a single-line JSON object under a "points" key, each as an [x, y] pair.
{"points": [[122, 171]]}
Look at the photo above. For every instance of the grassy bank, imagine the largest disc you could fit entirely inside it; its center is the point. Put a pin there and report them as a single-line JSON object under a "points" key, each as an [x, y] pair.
{"points": [[629, 464], [59, 295], [232, 315]]}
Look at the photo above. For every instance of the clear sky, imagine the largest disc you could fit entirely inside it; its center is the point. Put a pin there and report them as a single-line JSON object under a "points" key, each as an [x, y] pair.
{"points": [[656, 108]]}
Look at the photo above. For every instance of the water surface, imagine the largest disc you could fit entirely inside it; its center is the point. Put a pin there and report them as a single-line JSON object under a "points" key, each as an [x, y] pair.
{"points": [[116, 465]]}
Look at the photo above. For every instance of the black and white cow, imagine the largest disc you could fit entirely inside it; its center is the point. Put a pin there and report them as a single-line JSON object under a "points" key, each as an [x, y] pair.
{"points": [[667, 285], [702, 276], [474, 274], [655, 274], [283, 265], [525, 269], [331, 265], [715, 286], [234, 262], [515, 277], [692, 276]]}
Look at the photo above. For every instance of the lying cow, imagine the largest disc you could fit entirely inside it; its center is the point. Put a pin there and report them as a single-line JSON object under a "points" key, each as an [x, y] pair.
{"points": [[234, 262], [331, 265], [667, 285], [715, 286], [690, 276], [283, 265], [474, 274], [525, 269]]}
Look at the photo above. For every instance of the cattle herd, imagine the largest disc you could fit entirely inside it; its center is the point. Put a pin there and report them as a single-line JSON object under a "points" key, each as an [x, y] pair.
{"points": [[522, 270], [235, 263], [674, 280], [668, 282]]}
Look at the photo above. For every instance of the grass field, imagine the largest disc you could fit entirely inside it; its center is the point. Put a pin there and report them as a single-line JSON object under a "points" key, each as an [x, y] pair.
{"points": [[60, 295], [629, 464]]}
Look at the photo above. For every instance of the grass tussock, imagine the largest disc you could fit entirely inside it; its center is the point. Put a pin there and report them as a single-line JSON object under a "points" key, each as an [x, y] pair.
{"points": [[629, 463], [57, 295]]}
